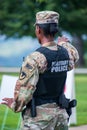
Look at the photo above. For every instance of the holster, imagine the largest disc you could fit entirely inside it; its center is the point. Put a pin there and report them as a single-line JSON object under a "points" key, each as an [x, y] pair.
{"points": [[63, 101], [33, 108], [31, 105], [67, 104]]}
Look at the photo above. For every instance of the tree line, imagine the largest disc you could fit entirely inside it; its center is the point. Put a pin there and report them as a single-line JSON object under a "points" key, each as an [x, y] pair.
{"points": [[17, 18]]}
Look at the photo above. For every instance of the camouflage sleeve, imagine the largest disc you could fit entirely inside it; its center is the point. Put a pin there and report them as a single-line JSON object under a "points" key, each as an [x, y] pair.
{"points": [[28, 78], [73, 53]]}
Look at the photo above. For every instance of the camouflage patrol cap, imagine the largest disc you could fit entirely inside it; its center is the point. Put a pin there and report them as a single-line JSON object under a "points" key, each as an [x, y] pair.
{"points": [[47, 17]]}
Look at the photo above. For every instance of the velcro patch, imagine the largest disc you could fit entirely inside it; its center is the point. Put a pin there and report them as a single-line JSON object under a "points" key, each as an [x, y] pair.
{"points": [[29, 66], [26, 72], [22, 75]]}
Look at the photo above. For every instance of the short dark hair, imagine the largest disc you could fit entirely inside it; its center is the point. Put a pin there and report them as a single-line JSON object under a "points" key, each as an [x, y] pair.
{"points": [[49, 28]]}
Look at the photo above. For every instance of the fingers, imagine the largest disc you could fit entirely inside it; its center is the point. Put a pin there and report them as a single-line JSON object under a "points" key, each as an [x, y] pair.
{"points": [[63, 39], [5, 99], [4, 103]]}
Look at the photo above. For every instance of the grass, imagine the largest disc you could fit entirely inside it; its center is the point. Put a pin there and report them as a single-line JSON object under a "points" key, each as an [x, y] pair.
{"points": [[81, 95], [12, 118]]}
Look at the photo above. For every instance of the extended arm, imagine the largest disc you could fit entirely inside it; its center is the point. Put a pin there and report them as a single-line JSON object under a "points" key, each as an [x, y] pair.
{"points": [[26, 84], [72, 51]]}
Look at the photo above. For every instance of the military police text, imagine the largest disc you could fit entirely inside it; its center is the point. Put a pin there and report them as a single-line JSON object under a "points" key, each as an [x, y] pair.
{"points": [[59, 66]]}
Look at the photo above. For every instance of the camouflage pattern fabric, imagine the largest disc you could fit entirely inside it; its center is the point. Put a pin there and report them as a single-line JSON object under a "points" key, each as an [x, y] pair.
{"points": [[47, 17], [73, 53], [49, 116]]}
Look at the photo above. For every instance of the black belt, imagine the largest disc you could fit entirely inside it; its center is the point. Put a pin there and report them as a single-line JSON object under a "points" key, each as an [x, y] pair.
{"points": [[36, 102], [63, 102], [41, 101]]}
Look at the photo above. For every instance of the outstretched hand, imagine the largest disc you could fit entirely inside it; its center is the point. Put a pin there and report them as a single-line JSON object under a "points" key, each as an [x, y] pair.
{"points": [[62, 39], [7, 101]]}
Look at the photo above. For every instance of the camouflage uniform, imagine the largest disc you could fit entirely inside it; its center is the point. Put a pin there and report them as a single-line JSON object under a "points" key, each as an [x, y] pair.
{"points": [[49, 115]]}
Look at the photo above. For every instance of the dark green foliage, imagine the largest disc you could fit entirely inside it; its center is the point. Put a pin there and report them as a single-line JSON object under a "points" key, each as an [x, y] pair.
{"points": [[18, 16]]}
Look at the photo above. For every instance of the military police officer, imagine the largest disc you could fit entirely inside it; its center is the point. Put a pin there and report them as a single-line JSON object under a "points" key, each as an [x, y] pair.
{"points": [[42, 78]]}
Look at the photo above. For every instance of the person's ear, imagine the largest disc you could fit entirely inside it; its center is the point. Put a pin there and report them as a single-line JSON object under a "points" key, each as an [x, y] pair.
{"points": [[38, 29]]}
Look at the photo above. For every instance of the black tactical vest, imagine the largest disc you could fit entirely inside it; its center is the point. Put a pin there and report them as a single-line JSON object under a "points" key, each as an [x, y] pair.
{"points": [[51, 83]]}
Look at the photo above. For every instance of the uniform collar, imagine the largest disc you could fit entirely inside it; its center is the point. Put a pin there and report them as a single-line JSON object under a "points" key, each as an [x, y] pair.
{"points": [[47, 44]]}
